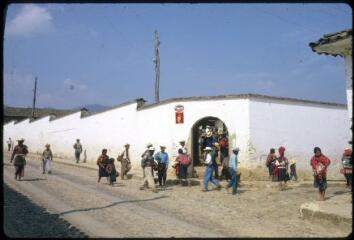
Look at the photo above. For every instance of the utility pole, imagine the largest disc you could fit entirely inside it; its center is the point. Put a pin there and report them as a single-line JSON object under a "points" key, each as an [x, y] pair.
{"points": [[157, 66], [34, 97]]}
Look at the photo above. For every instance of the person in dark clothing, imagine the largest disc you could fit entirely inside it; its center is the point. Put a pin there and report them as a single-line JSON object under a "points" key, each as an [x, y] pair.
{"points": [[18, 156], [102, 162]]}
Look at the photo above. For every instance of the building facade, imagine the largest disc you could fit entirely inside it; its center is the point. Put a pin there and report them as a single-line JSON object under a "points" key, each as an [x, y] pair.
{"points": [[255, 123]]}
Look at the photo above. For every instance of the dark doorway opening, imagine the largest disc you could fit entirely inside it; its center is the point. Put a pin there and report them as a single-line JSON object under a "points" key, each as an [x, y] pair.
{"points": [[198, 129]]}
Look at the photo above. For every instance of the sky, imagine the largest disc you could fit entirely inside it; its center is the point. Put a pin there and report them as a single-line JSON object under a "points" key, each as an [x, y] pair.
{"points": [[103, 53]]}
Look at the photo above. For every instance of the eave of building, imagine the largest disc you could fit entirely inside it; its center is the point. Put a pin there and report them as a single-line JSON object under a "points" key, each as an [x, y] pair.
{"points": [[242, 96], [334, 44]]}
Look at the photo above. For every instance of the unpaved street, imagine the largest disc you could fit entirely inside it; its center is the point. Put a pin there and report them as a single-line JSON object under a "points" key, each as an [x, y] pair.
{"points": [[100, 210]]}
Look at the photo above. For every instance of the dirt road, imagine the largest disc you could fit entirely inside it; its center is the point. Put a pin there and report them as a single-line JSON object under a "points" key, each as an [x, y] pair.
{"points": [[100, 210]]}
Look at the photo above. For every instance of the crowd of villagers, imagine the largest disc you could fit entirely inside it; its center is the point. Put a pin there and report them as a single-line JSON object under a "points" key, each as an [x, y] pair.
{"points": [[215, 150]]}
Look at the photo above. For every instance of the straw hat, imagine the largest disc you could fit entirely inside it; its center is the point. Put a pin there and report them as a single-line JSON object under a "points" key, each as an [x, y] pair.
{"points": [[208, 149], [151, 148], [47, 145]]}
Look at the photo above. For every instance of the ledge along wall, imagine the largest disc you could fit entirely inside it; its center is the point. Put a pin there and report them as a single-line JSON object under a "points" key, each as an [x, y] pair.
{"points": [[254, 125]]}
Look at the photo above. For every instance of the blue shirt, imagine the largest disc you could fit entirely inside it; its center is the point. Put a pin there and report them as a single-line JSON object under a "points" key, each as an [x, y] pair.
{"points": [[162, 157], [233, 162]]}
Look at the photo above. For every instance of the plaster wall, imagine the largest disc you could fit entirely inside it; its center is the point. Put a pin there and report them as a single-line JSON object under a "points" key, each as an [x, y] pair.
{"points": [[299, 128]]}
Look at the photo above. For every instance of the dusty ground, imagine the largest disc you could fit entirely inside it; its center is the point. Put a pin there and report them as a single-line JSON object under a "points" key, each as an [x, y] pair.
{"points": [[124, 211]]}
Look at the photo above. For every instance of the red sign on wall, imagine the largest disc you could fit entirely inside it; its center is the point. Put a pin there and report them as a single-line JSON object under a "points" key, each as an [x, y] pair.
{"points": [[179, 114]]}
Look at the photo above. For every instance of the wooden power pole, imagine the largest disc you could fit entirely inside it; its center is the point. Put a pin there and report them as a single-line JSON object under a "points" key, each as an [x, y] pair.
{"points": [[34, 98], [157, 66]]}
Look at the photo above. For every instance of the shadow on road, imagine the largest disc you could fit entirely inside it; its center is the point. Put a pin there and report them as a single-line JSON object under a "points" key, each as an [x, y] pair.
{"points": [[32, 179], [110, 205]]}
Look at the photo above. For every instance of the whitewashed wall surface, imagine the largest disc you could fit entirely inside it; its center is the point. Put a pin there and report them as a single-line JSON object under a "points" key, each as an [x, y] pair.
{"points": [[254, 125]]}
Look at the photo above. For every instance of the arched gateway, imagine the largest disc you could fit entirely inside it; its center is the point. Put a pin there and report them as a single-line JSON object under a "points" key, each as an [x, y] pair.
{"points": [[198, 130]]}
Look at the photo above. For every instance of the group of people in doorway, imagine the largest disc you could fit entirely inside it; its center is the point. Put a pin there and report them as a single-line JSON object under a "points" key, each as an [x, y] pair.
{"points": [[277, 165]]}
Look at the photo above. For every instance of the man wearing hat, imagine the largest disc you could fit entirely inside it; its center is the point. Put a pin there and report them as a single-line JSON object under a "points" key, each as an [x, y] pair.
{"points": [[124, 159], [9, 144], [78, 150], [162, 165], [148, 163], [182, 145], [18, 156], [208, 174], [233, 170], [145, 153], [47, 157]]}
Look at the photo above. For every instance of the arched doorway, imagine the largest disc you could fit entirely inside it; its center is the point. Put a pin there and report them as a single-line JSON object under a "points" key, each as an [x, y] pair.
{"points": [[216, 125]]}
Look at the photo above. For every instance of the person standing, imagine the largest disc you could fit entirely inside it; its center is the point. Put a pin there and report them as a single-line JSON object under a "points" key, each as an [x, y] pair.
{"points": [[183, 161], [347, 164], [182, 145], [224, 147], [102, 162], [293, 170], [78, 150], [111, 171], [320, 163], [209, 168], [162, 165], [47, 157], [283, 168], [9, 144], [145, 153], [18, 156], [233, 170], [148, 165], [270, 163], [124, 160], [215, 154]]}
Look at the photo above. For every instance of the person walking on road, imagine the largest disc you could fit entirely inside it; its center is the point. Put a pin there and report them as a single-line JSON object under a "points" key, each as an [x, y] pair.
{"points": [[47, 157], [78, 150], [124, 159], [233, 170], [320, 163], [18, 156], [102, 162], [9, 144], [162, 165], [148, 164], [209, 169]]}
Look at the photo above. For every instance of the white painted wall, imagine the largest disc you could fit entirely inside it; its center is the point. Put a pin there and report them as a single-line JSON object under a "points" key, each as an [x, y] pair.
{"points": [[349, 80], [299, 128], [254, 126], [111, 129]]}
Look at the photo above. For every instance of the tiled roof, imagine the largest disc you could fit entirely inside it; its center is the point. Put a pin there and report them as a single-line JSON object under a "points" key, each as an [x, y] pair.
{"points": [[39, 112], [331, 38]]}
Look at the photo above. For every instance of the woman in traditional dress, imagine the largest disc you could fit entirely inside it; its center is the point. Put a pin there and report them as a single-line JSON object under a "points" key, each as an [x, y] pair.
{"points": [[319, 163], [102, 163], [111, 171], [282, 168], [18, 155]]}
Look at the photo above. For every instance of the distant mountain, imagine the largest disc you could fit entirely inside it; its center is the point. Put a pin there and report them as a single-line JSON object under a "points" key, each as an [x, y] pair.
{"points": [[93, 107]]}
